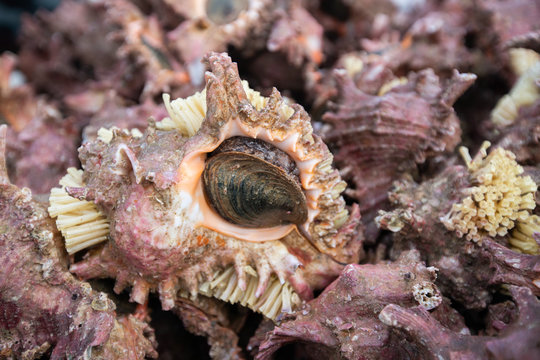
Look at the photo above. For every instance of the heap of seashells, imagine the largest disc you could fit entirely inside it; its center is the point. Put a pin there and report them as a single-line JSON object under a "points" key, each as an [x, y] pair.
{"points": [[283, 179]]}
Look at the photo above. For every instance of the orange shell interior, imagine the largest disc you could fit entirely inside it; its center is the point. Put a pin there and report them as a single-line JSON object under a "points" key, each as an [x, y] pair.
{"points": [[190, 188]]}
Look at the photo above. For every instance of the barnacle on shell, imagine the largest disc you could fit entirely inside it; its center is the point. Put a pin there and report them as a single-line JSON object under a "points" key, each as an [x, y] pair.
{"points": [[427, 295], [500, 198]]}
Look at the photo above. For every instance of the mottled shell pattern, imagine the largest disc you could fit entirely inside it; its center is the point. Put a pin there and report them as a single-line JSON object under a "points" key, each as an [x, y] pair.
{"points": [[164, 234]]}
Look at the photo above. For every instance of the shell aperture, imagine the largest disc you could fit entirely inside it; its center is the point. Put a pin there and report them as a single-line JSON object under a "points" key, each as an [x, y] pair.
{"points": [[253, 184]]}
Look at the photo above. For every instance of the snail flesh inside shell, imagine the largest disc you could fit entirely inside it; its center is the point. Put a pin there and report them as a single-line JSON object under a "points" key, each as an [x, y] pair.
{"points": [[251, 183]]}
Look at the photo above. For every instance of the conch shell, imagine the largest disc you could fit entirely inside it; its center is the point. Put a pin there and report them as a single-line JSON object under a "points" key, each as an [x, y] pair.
{"points": [[165, 235]]}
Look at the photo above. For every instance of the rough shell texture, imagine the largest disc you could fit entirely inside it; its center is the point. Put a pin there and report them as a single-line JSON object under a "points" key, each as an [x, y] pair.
{"points": [[468, 272], [298, 35], [41, 142], [130, 338], [201, 33], [54, 313], [106, 109], [343, 319], [379, 138], [435, 38], [145, 61], [49, 60], [126, 44], [207, 317], [530, 40], [52, 308], [523, 14], [156, 244], [432, 340]]}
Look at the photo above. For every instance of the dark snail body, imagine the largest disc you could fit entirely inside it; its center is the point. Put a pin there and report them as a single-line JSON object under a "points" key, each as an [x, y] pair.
{"points": [[252, 183]]}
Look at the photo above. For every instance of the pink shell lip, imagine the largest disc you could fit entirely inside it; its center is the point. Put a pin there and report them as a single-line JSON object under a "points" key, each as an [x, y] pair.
{"points": [[190, 186]]}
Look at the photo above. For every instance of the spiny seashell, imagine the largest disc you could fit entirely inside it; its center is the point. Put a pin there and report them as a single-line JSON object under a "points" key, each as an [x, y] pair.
{"points": [[483, 202], [164, 235], [43, 305], [343, 321], [212, 25], [379, 138]]}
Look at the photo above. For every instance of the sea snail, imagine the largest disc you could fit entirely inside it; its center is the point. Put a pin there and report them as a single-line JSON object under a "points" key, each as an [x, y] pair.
{"points": [[232, 196]]}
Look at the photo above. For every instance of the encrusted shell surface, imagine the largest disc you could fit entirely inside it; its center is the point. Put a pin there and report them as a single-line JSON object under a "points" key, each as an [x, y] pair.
{"points": [[481, 202], [41, 141], [378, 138], [42, 306], [211, 27], [343, 321], [163, 234]]}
